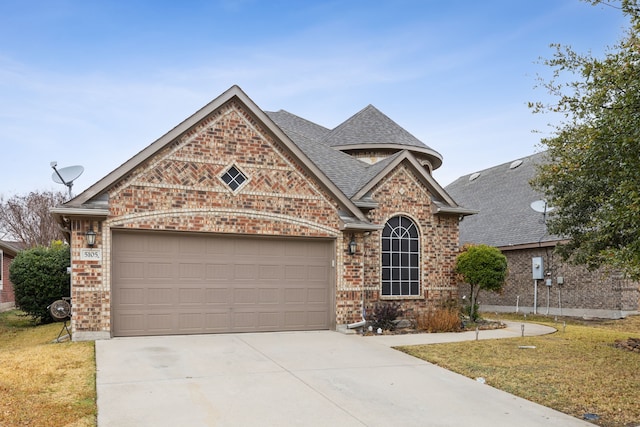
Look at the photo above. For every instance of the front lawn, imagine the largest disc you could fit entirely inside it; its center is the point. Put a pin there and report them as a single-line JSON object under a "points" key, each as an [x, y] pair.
{"points": [[576, 370], [43, 383]]}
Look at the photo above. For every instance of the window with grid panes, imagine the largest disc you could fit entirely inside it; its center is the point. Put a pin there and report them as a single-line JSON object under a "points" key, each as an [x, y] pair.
{"points": [[400, 258]]}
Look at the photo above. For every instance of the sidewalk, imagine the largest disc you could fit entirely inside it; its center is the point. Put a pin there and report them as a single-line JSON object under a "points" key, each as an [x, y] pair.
{"points": [[513, 330]]}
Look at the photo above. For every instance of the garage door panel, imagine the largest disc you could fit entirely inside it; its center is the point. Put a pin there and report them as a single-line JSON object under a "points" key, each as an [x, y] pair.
{"points": [[217, 321], [268, 296], [246, 247], [315, 319], [294, 296], [317, 296], [245, 296], [295, 272], [295, 319], [193, 296], [161, 323], [210, 284], [218, 296], [220, 272], [270, 272], [131, 270], [130, 296], [245, 272], [160, 296], [160, 270], [319, 273]]}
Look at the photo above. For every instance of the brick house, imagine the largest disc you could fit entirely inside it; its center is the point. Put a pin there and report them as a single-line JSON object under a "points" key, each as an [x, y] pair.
{"points": [[8, 251], [244, 220], [502, 196]]}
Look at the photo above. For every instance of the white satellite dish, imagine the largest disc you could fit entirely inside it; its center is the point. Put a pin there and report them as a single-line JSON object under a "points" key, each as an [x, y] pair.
{"points": [[541, 206], [66, 175]]}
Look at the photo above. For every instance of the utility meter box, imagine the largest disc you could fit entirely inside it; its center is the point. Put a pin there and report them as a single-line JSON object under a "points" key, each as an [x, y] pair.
{"points": [[537, 268]]}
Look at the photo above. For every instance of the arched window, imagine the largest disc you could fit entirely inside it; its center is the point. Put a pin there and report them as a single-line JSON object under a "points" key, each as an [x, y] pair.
{"points": [[400, 258]]}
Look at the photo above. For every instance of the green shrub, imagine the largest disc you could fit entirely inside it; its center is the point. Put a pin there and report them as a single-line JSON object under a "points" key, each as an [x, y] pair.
{"points": [[39, 276], [482, 267], [384, 315]]}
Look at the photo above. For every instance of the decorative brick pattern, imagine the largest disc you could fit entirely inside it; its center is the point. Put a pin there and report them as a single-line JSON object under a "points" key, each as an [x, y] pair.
{"points": [[401, 193]]}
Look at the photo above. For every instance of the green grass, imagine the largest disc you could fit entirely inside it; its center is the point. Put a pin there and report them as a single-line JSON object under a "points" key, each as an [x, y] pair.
{"points": [[577, 371], [43, 383]]}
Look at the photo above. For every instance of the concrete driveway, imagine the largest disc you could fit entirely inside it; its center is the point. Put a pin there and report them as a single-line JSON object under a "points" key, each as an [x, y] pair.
{"points": [[297, 379]]}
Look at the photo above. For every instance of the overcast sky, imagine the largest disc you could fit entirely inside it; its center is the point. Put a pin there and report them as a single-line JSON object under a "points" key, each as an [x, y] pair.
{"points": [[91, 83]]}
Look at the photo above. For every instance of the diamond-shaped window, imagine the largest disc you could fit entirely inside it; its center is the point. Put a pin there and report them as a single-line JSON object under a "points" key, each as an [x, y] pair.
{"points": [[233, 178]]}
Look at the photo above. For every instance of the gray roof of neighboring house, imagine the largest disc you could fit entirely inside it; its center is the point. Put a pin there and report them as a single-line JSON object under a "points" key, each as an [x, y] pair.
{"points": [[502, 195]]}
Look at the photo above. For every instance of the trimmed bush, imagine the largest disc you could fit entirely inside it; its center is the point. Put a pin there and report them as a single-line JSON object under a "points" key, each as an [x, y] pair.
{"points": [[40, 277], [384, 315]]}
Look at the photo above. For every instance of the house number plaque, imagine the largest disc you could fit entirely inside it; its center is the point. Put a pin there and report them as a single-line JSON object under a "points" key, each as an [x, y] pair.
{"points": [[88, 254]]}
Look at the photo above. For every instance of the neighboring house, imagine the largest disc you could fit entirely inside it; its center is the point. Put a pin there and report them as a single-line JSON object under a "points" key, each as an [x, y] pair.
{"points": [[503, 196], [240, 220], [8, 251]]}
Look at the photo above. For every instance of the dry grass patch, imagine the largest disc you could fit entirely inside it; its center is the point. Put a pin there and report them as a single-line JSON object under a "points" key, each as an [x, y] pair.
{"points": [[577, 371], [44, 383]]}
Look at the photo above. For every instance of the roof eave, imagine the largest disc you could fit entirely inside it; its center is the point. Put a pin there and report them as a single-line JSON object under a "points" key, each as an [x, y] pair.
{"points": [[447, 210], [434, 156]]}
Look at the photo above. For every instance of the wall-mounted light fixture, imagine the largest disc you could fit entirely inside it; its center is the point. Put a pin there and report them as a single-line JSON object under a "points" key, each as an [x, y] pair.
{"points": [[90, 237], [352, 245]]}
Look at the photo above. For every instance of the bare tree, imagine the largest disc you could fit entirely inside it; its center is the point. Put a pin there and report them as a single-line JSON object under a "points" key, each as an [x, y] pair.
{"points": [[27, 218]]}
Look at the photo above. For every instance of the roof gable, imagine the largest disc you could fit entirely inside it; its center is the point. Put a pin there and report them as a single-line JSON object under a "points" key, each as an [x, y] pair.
{"points": [[444, 202], [97, 191]]}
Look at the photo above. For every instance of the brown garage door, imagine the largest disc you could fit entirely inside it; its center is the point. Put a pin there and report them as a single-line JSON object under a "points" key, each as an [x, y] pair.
{"points": [[175, 283]]}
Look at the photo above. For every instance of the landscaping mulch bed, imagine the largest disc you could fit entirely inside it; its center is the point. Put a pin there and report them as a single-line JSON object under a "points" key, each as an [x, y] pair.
{"points": [[405, 328]]}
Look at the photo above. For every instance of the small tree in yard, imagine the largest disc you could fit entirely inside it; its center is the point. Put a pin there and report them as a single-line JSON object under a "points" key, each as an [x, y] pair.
{"points": [[26, 218], [39, 276], [482, 267]]}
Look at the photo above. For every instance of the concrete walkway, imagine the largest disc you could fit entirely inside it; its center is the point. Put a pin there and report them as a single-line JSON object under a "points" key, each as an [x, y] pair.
{"points": [[319, 378]]}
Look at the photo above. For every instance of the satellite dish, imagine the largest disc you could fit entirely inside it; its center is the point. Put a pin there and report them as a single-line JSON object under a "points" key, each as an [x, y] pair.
{"points": [[66, 175], [541, 206]]}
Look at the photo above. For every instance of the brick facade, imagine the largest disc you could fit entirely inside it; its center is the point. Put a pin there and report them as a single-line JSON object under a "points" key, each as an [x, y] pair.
{"points": [[600, 293], [179, 189], [401, 193], [7, 297]]}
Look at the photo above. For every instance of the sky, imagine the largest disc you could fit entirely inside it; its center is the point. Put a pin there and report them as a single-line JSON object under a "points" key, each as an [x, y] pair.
{"points": [[91, 83]]}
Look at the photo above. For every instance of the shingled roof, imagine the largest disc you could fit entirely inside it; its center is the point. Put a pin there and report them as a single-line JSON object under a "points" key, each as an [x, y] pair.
{"points": [[502, 196], [369, 127]]}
